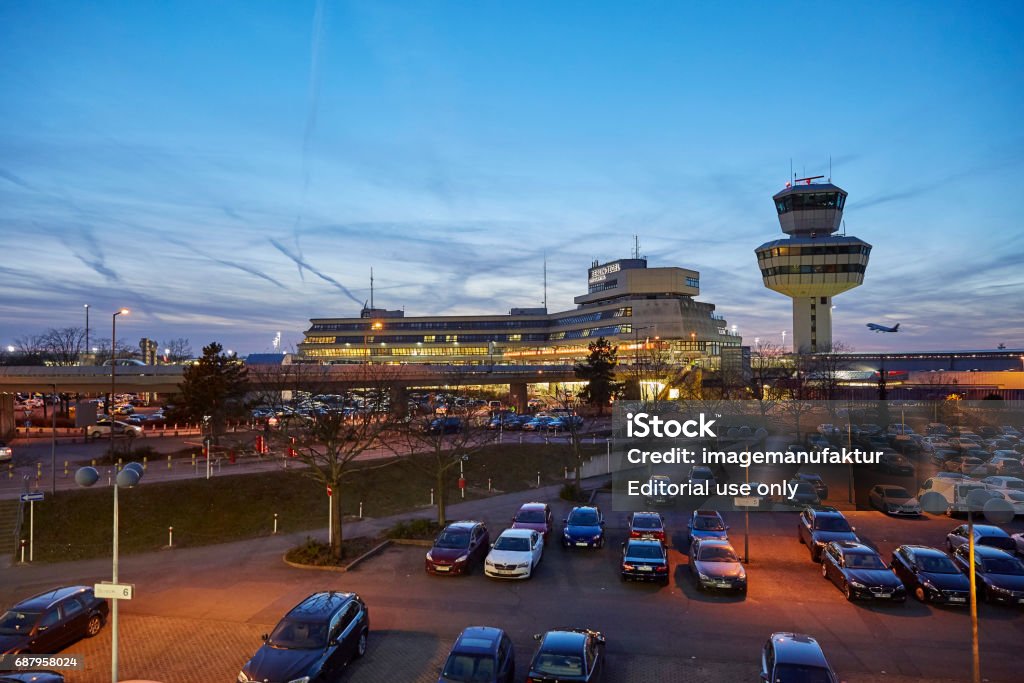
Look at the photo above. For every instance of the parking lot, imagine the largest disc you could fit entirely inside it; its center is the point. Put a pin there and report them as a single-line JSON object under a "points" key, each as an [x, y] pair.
{"points": [[199, 612]]}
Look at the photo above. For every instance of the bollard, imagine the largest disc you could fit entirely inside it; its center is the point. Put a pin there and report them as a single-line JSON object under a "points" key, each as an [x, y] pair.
{"points": [[93, 462], [119, 464], [10, 471], [168, 462], [488, 484], [360, 509], [193, 461], [65, 469], [275, 522], [520, 439], [39, 470], [170, 537], [23, 551], [431, 496], [538, 478], [565, 473], [145, 462]]}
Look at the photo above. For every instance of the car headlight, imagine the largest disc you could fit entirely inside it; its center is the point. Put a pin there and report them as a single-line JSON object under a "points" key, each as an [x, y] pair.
{"points": [[430, 557], [242, 678], [742, 576], [522, 565], [703, 576], [892, 508], [597, 537], [856, 584], [1000, 590], [929, 585], [304, 679], [462, 558]]}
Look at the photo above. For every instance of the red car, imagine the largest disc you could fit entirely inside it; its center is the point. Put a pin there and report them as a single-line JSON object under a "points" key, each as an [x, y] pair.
{"points": [[647, 526], [536, 517], [458, 548]]}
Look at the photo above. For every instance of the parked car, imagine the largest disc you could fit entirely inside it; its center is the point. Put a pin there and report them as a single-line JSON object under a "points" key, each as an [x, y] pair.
{"points": [[568, 655], [701, 474], [893, 500], [859, 572], [1018, 539], [648, 526], [804, 494], [984, 534], [830, 431], [481, 654], [930, 575], [707, 524], [6, 453], [894, 463], [458, 548], [644, 560], [1003, 483], [515, 554], [33, 677], [714, 564], [794, 658], [536, 516], [659, 484], [999, 575], [1014, 498], [48, 622], [102, 428], [815, 480], [444, 425], [584, 528], [817, 527], [315, 640], [537, 424]]}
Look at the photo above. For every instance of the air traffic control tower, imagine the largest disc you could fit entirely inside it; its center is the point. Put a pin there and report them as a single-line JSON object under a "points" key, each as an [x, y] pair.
{"points": [[813, 264]]}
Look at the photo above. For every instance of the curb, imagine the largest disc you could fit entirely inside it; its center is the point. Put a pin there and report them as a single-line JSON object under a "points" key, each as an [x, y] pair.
{"points": [[423, 543], [340, 570]]}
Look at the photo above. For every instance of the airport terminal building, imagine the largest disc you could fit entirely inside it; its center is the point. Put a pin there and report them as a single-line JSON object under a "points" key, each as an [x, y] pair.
{"points": [[638, 309]]}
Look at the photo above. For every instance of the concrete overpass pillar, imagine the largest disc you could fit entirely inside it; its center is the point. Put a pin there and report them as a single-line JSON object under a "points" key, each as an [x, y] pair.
{"points": [[518, 396], [399, 401], [6, 415]]}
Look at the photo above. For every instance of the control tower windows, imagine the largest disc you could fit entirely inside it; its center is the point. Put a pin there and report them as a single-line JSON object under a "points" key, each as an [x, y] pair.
{"points": [[805, 201]]}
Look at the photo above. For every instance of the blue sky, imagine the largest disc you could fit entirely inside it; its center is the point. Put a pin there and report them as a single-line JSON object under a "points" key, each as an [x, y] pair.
{"points": [[231, 169]]}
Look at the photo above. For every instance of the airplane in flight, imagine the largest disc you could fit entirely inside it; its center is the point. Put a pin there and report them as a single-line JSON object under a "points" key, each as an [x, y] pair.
{"points": [[875, 327]]}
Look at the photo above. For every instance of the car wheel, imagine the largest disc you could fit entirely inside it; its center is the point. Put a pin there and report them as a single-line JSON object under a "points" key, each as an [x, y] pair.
{"points": [[815, 556], [848, 592], [920, 594], [94, 626], [361, 644]]}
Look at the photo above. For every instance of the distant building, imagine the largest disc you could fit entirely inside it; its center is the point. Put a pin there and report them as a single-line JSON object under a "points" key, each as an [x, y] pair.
{"points": [[636, 308]]}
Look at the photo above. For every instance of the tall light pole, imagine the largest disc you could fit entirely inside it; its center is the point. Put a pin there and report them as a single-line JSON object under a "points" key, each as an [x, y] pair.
{"points": [[128, 477], [783, 341], [86, 306], [113, 367]]}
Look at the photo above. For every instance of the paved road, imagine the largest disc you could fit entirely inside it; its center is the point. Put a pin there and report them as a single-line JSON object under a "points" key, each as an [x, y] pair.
{"points": [[199, 612]]}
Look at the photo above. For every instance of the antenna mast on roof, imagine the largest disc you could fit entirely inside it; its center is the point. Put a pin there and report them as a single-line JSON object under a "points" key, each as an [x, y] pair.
{"points": [[545, 302], [636, 246], [830, 168], [371, 288]]}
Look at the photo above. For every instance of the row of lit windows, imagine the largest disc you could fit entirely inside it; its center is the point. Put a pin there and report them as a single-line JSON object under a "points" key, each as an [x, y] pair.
{"points": [[602, 286], [398, 351], [816, 250], [692, 282], [814, 270], [805, 201], [623, 312], [438, 325]]}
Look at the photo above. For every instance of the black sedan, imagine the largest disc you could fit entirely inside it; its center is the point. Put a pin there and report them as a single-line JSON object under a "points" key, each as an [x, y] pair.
{"points": [[930, 575], [481, 654], [644, 560], [50, 621], [860, 573], [999, 575], [458, 548], [568, 655], [714, 564], [313, 642]]}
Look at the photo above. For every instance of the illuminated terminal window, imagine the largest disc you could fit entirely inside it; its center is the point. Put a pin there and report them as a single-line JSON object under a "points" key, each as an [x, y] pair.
{"points": [[692, 282], [320, 340]]}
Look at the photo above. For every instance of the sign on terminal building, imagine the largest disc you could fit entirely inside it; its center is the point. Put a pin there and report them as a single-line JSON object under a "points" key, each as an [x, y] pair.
{"points": [[600, 272]]}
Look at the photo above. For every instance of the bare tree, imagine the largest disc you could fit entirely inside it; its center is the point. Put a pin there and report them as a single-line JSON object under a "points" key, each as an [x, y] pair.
{"points": [[102, 346], [177, 350], [327, 442], [31, 349], [437, 444], [572, 425], [64, 345], [767, 368]]}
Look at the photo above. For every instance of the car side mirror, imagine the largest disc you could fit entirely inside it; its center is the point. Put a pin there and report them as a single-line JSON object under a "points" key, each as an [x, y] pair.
{"points": [[565, 521], [492, 545], [537, 636], [726, 527], [853, 528], [265, 637], [602, 522], [765, 679]]}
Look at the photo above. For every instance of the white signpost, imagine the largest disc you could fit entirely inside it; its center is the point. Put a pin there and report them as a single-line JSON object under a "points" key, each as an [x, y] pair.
{"points": [[31, 499], [114, 591]]}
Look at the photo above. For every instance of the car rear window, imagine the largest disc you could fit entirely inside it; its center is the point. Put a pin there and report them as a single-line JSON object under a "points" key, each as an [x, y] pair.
{"points": [[531, 516], [558, 665], [797, 673], [1001, 542], [646, 522]]}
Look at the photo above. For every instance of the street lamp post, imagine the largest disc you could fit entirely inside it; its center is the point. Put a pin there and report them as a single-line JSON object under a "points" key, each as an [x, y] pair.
{"points": [[86, 327], [113, 366], [129, 476]]}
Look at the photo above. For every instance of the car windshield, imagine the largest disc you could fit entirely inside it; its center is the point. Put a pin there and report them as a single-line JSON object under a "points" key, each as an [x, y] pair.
{"points": [[15, 623], [558, 664], [583, 518], [709, 523], [299, 635], [798, 673], [937, 565], [531, 516], [838, 524], [895, 492], [515, 543], [452, 539], [644, 551], [864, 561], [467, 668], [646, 523], [1003, 565], [717, 553]]}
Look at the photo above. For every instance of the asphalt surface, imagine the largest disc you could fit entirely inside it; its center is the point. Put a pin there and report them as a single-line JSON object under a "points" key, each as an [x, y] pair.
{"points": [[199, 612]]}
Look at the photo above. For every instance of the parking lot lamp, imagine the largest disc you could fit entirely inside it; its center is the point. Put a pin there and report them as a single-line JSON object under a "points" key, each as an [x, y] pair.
{"points": [[128, 477], [113, 366]]}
